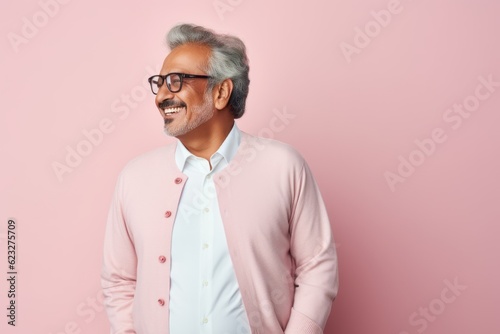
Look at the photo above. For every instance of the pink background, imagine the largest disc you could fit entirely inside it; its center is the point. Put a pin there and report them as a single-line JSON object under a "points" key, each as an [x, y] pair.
{"points": [[354, 116]]}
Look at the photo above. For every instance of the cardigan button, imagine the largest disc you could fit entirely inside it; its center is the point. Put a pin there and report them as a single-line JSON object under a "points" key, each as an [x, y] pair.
{"points": [[178, 180], [161, 302], [168, 214], [162, 259]]}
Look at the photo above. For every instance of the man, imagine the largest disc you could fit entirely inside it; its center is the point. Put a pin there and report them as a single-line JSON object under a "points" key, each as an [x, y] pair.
{"points": [[221, 232]]}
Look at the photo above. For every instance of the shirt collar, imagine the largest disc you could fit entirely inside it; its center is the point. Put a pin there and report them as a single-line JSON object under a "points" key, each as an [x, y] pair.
{"points": [[227, 150]]}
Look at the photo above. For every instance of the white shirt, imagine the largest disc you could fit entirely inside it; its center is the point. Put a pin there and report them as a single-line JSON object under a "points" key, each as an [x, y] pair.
{"points": [[204, 293]]}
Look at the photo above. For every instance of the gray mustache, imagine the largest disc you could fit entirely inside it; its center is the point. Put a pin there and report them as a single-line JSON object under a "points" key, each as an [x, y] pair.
{"points": [[170, 103]]}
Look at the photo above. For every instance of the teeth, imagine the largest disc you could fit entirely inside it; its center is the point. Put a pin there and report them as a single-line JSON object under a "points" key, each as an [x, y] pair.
{"points": [[170, 111]]}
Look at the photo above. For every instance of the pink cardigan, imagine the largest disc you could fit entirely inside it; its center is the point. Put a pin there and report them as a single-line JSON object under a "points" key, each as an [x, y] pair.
{"points": [[277, 230]]}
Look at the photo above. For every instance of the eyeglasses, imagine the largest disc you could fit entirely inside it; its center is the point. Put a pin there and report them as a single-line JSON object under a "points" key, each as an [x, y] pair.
{"points": [[173, 80]]}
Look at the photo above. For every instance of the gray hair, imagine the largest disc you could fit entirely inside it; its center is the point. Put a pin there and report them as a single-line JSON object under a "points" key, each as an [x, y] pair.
{"points": [[228, 60]]}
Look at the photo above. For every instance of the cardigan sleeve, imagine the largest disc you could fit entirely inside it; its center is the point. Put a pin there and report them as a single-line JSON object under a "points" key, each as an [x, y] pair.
{"points": [[118, 274], [313, 250]]}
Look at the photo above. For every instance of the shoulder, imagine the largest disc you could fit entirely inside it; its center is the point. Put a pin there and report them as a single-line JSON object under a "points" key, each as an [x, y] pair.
{"points": [[151, 161], [270, 151]]}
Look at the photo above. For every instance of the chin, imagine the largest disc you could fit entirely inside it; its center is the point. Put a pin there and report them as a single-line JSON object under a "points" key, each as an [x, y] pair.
{"points": [[175, 132]]}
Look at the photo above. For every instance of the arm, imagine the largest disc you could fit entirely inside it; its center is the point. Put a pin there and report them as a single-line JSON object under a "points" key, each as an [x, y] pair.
{"points": [[118, 275], [313, 250]]}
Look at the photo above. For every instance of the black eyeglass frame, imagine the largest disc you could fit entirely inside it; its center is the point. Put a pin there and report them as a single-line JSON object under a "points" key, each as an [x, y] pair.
{"points": [[181, 76]]}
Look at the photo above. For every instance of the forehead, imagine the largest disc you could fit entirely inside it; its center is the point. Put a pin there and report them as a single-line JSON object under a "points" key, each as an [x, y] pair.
{"points": [[188, 58]]}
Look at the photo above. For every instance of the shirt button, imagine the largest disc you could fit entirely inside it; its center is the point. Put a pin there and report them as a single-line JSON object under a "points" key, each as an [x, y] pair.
{"points": [[161, 302], [205, 283], [206, 210], [205, 246], [168, 214], [177, 180], [162, 259], [205, 320]]}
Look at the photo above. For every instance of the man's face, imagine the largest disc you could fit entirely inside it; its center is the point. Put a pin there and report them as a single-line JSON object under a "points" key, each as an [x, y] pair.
{"points": [[190, 107]]}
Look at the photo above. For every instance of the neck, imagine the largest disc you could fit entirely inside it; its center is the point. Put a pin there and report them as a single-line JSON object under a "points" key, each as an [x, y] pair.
{"points": [[206, 139]]}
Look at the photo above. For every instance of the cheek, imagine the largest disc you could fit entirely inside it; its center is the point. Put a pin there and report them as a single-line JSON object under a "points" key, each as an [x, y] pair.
{"points": [[191, 99]]}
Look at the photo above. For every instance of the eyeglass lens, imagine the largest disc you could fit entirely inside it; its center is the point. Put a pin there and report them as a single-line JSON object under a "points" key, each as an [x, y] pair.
{"points": [[174, 83]]}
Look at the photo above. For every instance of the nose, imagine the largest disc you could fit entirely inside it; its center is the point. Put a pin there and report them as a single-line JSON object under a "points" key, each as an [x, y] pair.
{"points": [[163, 94]]}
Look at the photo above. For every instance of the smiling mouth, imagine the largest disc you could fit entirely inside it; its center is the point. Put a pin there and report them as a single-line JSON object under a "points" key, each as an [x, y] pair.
{"points": [[172, 111]]}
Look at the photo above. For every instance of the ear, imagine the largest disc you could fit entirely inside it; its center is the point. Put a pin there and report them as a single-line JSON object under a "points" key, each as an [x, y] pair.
{"points": [[222, 93]]}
